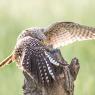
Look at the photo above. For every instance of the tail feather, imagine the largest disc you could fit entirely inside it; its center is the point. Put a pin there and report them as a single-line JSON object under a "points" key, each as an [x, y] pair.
{"points": [[6, 61]]}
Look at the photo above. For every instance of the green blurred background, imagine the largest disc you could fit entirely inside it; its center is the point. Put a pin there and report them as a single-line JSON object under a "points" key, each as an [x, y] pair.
{"points": [[16, 15]]}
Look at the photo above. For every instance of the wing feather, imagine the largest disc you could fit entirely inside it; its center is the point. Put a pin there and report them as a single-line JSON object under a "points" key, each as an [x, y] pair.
{"points": [[37, 61], [64, 33]]}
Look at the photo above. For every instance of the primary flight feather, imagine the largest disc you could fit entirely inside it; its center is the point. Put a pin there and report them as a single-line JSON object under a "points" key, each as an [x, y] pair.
{"points": [[64, 33]]}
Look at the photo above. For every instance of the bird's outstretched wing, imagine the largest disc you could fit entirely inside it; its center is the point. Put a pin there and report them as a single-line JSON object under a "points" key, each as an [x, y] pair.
{"points": [[64, 33]]}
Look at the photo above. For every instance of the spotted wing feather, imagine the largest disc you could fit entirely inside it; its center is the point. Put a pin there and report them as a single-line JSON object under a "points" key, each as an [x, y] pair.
{"points": [[37, 61]]}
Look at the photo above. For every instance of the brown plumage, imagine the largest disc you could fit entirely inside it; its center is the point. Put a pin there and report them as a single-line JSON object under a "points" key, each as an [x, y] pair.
{"points": [[32, 51], [64, 33], [33, 57]]}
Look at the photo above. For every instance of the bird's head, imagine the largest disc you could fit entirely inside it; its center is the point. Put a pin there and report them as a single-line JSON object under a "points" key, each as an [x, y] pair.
{"points": [[37, 33]]}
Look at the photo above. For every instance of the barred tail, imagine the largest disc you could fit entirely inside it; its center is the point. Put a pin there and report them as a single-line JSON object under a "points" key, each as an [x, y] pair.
{"points": [[6, 61]]}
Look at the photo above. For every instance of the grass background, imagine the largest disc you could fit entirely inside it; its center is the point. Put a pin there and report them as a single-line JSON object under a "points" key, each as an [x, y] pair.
{"points": [[16, 15]]}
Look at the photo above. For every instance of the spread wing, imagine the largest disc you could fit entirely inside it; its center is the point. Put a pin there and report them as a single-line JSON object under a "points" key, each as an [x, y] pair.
{"points": [[64, 33]]}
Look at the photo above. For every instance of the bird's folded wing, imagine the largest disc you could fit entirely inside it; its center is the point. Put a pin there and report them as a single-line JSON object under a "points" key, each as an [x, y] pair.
{"points": [[64, 33], [37, 62]]}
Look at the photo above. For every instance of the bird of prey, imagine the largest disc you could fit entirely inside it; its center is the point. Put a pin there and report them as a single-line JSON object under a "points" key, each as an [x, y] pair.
{"points": [[33, 48]]}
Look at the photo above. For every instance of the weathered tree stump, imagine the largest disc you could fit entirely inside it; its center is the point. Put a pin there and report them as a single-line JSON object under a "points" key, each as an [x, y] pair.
{"points": [[64, 84]]}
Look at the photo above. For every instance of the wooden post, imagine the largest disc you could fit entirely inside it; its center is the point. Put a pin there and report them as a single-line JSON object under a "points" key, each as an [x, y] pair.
{"points": [[65, 78]]}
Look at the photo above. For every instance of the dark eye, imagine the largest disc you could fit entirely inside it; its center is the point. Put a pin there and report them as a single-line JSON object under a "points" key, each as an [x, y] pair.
{"points": [[40, 39]]}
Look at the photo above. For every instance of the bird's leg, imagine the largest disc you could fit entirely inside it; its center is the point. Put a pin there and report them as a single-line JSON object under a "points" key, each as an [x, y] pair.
{"points": [[7, 61]]}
